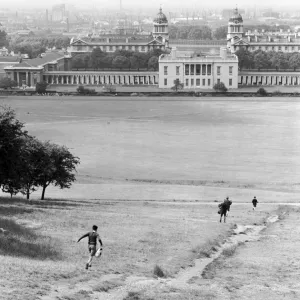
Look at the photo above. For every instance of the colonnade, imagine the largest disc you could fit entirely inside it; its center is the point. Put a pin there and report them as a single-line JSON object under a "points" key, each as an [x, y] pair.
{"points": [[68, 78], [278, 79]]}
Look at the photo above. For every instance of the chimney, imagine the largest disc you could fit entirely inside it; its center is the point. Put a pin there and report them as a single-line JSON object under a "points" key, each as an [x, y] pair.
{"points": [[174, 53], [223, 52], [249, 38]]}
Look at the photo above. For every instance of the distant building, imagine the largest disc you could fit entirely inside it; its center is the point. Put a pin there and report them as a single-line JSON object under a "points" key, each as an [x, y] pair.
{"points": [[31, 71], [158, 39], [265, 41], [198, 71], [6, 61]]}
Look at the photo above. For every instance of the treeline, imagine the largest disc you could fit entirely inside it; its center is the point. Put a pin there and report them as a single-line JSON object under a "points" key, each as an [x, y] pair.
{"points": [[27, 163], [34, 46], [120, 59], [268, 60], [190, 32]]}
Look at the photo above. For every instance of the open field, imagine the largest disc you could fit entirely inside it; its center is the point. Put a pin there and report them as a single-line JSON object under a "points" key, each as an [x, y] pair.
{"points": [[151, 172]]}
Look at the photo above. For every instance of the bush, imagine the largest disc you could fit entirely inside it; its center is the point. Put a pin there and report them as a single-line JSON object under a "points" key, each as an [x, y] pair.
{"points": [[85, 91], [110, 89], [262, 92], [220, 87], [158, 271], [41, 87]]}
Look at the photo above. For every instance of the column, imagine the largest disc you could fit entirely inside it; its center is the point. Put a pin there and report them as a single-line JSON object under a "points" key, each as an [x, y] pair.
{"points": [[27, 83]]}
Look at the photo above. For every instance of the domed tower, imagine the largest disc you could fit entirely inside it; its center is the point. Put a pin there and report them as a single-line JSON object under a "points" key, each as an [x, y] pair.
{"points": [[235, 26], [161, 27]]}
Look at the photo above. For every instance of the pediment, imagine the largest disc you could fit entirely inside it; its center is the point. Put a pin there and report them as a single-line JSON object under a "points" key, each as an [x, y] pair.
{"points": [[79, 42]]}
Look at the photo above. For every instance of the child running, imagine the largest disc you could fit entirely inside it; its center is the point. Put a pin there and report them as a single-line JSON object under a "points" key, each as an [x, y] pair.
{"points": [[92, 243]]}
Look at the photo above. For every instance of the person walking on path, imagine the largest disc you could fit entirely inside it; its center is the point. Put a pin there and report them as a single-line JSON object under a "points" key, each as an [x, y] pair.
{"points": [[93, 236], [254, 202]]}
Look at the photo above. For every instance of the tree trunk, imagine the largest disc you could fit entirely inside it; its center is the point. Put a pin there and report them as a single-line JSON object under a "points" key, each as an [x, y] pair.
{"points": [[43, 192], [27, 194]]}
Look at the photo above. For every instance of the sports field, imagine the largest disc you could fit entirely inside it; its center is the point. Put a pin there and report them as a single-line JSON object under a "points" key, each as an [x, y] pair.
{"points": [[151, 172]]}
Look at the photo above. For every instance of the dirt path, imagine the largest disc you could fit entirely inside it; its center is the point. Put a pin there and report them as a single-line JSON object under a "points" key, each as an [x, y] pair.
{"points": [[116, 287]]}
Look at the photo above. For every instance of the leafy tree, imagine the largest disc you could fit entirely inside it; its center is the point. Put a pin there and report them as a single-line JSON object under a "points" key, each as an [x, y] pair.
{"points": [[11, 139], [6, 83], [77, 62], [220, 87], [279, 61], [245, 58], [96, 57], [41, 87], [58, 167], [120, 62], [177, 85], [3, 39], [153, 63], [221, 33], [261, 60], [294, 61]]}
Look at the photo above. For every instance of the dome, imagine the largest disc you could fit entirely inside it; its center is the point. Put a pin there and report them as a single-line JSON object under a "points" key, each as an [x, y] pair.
{"points": [[161, 17], [236, 17]]}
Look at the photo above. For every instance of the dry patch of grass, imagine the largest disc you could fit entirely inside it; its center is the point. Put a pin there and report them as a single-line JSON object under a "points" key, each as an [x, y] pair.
{"points": [[107, 285], [136, 296]]}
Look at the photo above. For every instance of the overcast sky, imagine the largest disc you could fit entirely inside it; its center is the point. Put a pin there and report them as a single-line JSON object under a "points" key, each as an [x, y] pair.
{"points": [[167, 4]]}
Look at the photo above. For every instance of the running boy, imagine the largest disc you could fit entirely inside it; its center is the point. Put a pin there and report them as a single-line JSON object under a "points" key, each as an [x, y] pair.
{"points": [[92, 243]]}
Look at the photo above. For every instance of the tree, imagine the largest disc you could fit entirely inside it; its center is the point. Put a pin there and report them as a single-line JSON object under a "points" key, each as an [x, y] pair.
{"points": [[221, 33], [262, 92], [261, 60], [96, 57], [294, 61], [220, 87], [58, 167], [153, 63], [245, 58], [41, 87], [3, 39], [6, 83], [120, 62], [77, 62], [11, 139], [177, 85]]}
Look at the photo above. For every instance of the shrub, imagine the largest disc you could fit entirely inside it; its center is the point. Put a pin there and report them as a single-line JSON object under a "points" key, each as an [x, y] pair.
{"points": [[41, 87], [220, 87], [158, 271], [262, 92], [110, 89], [84, 91]]}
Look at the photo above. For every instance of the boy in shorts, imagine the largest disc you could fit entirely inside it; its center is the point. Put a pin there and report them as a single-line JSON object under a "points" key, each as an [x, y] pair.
{"points": [[92, 244]]}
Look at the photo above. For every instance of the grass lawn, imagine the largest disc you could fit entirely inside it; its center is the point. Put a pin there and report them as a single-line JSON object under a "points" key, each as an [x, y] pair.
{"points": [[149, 175]]}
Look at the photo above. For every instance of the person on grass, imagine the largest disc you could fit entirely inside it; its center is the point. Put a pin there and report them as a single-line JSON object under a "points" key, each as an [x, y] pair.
{"points": [[254, 202], [93, 236]]}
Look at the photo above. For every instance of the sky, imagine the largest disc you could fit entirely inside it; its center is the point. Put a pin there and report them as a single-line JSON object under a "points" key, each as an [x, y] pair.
{"points": [[168, 4]]}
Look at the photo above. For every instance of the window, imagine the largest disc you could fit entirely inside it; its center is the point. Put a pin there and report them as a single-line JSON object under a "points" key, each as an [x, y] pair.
{"points": [[166, 81], [218, 80], [279, 48], [230, 82], [192, 69], [273, 48], [198, 70], [177, 70], [203, 69], [208, 82], [198, 82], [165, 70], [186, 82], [187, 69], [208, 69], [253, 48], [230, 70], [110, 48], [218, 70], [192, 82], [285, 48], [293, 48], [203, 82], [143, 48], [259, 47]]}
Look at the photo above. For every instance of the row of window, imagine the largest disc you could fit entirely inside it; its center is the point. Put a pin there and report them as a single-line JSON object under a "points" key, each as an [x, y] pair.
{"points": [[273, 48], [196, 69], [190, 82], [120, 47]]}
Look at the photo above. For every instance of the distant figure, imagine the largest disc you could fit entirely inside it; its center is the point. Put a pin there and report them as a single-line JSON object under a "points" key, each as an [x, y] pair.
{"points": [[92, 243], [224, 208], [254, 202]]}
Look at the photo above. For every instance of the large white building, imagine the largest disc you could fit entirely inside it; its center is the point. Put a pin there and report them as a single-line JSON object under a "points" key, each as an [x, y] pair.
{"points": [[197, 71]]}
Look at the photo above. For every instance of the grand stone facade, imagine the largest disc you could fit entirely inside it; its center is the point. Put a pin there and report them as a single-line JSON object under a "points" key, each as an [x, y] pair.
{"points": [[197, 71], [158, 39], [265, 41]]}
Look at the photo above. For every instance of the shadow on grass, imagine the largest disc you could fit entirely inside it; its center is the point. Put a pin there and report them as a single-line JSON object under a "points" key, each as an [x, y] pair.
{"points": [[24, 242], [51, 203]]}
